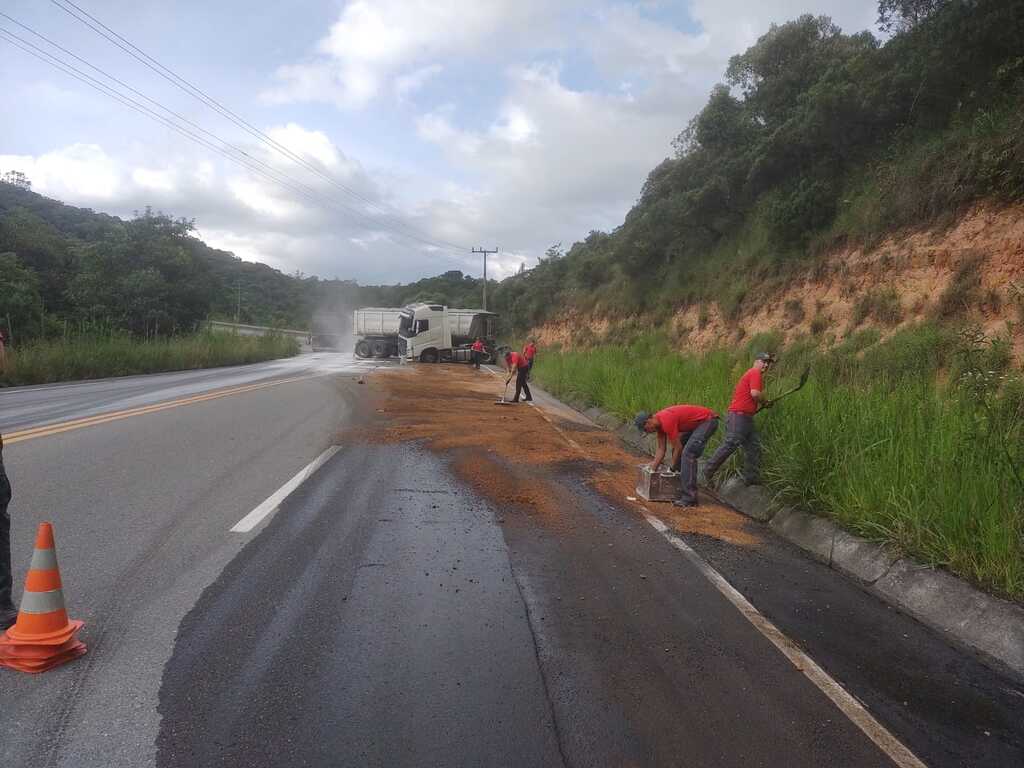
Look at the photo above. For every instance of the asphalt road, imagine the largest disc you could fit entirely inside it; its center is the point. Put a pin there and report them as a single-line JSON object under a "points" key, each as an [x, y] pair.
{"points": [[389, 615]]}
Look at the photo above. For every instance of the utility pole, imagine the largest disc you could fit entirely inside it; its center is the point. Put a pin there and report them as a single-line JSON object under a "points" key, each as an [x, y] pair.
{"points": [[485, 251], [238, 301]]}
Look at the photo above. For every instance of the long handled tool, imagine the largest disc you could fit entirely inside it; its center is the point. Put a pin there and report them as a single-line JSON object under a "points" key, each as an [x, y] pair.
{"points": [[797, 388], [504, 394]]}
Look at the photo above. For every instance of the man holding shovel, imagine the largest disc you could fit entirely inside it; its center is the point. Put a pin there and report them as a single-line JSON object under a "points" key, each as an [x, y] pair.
{"points": [[748, 398], [688, 428], [519, 365]]}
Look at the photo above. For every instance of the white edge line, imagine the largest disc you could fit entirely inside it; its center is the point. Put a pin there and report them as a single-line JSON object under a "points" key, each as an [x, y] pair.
{"points": [[846, 703], [255, 517]]}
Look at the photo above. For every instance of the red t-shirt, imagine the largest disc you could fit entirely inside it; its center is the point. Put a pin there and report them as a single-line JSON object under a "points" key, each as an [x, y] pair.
{"points": [[529, 351], [516, 360], [742, 402], [478, 346], [678, 419]]}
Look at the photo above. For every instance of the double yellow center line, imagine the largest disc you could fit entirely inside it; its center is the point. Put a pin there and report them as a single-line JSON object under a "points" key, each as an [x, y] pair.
{"points": [[66, 426]]}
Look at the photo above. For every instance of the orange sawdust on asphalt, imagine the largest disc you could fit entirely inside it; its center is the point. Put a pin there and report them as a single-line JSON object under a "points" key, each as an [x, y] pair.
{"points": [[498, 449]]}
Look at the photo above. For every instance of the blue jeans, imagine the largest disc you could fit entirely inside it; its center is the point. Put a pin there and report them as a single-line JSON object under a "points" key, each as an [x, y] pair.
{"points": [[693, 448], [740, 432]]}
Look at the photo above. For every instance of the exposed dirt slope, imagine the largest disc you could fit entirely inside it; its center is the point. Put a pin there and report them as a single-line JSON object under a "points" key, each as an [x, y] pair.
{"points": [[972, 271]]}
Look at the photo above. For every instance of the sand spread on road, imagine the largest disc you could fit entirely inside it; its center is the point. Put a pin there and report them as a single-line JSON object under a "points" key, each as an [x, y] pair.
{"points": [[512, 455]]}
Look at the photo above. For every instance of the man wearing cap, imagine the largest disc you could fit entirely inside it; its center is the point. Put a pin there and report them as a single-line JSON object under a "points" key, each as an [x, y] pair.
{"points": [[747, 399], [688, 428], [515, 362], [8, 613]]}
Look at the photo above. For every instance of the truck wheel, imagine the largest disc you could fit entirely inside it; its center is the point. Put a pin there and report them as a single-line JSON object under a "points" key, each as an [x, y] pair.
{"points": [[428, 356], [362, 348], [380, 349]]}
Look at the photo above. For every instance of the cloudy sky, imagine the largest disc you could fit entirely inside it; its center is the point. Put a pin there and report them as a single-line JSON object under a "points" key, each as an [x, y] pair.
{"points": [[423, 127]]}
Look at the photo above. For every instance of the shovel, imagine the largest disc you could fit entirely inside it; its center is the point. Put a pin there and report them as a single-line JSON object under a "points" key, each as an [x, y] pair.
{"points": [[503, 401], [797, 388]]}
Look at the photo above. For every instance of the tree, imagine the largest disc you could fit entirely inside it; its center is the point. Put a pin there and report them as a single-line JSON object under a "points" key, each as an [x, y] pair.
{"points": [[17, 179], [896, 16], [20, 303]]}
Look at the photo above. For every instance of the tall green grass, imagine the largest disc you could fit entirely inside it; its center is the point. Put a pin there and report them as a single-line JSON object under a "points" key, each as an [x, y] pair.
{"points": [[100, 357], [897, 440]]}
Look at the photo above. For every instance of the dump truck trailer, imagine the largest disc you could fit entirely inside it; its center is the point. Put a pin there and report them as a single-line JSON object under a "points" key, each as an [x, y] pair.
{"points": [[376, 331], [432, 333]]}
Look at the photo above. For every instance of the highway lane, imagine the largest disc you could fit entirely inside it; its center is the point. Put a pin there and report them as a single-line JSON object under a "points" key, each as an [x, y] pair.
{"points": [[26, 407], [142, 509], [437, 638]]}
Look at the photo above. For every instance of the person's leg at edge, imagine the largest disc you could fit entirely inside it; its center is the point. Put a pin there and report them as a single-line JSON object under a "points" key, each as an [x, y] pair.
{"points": [[732, 441], [6, 581], [693, 449], [752, 455], [524, 373]]}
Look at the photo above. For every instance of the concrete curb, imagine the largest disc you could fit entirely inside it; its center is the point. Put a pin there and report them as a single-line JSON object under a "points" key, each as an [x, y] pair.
{"points": [[980, 622]]}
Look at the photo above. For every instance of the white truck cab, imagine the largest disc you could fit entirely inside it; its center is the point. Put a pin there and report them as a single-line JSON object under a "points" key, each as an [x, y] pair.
{"points": [[431, 333]]}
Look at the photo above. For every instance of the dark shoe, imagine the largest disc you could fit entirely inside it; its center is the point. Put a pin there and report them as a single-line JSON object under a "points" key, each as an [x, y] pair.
{"points": [[683, 505], [7, 617]]}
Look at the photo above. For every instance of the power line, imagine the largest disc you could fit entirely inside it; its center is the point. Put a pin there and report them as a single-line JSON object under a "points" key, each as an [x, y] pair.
{"points": [[181, 83], [246, 160]]}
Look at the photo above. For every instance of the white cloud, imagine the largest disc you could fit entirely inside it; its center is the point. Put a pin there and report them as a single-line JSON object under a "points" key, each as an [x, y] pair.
{"points": [[374, 41], [261, 199], [162, 180], [312, 145], [515, 125], [407, 84], [80, 172], [732, 26]]}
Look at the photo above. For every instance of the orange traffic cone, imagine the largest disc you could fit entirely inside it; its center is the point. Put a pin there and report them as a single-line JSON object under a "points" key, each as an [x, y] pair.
{"points": [[43, 637]]}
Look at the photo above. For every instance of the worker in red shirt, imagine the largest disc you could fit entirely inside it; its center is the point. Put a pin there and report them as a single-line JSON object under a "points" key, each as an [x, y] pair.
{"points": [[517, 364], [687, 428], [529, 352], [476, 352], [747, 399]]}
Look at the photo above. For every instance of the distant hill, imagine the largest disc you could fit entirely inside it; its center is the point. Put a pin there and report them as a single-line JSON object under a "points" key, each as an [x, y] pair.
{"points": [[62, 266]]}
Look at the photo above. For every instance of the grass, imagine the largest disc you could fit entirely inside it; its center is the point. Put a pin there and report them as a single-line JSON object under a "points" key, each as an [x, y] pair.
{"points": [[101, 357], [891, 439]]}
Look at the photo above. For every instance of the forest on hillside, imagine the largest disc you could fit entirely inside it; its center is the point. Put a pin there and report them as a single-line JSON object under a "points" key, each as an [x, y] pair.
{"points": [[815, 138]]}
